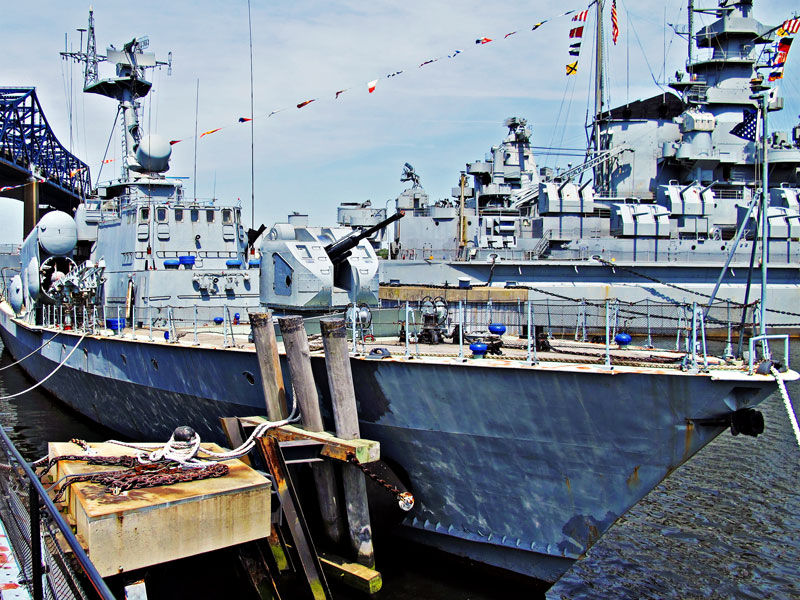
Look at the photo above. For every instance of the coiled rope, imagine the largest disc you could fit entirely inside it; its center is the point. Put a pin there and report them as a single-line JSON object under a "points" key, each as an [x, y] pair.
{"points": [[31, 353], [190, 454], [787, 402], [53, 372]]}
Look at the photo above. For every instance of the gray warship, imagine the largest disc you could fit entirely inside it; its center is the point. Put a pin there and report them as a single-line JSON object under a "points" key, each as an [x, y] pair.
{"points": [[521, 448], [651, 214]]}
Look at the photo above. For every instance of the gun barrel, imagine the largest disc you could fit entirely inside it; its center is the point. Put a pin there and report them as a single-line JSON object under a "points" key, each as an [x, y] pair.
{"points": [[337, 249]]}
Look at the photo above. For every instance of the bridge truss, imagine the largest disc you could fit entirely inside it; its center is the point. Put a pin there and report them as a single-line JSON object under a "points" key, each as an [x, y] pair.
{"points": [[29, 146]]}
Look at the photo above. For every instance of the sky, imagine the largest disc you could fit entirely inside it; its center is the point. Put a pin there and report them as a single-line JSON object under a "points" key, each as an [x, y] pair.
{"points": [[351, 149]]}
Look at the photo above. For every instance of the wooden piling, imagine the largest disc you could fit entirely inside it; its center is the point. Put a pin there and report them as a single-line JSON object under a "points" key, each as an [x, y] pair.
{"points": [[295, 341], [269, 364], [343, 399]]}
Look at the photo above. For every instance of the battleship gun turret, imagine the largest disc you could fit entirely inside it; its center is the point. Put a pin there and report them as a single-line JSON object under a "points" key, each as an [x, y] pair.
{"points": [[319, 269], [340, 250]]}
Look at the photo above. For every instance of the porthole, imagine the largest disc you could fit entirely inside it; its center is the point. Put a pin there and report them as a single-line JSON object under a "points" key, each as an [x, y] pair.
{"points": [[249, 376]]}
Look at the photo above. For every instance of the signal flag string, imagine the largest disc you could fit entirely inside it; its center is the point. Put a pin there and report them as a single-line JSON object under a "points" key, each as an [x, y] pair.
{"points": [[373, 85]]}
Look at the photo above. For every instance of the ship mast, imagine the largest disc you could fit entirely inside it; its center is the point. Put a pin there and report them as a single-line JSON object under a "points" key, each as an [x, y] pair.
{"points": [[598, 91], [690, 30]]}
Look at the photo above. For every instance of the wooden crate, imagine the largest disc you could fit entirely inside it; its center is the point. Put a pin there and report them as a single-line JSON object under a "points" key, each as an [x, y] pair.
{"points": [[148, 526]]}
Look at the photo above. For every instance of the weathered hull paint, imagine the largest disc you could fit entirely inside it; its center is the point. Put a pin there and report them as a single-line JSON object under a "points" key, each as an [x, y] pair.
{"points": [[521, 467]]}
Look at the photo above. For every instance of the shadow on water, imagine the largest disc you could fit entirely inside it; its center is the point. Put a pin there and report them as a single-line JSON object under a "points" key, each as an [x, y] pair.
{"points": [[725, 525]]}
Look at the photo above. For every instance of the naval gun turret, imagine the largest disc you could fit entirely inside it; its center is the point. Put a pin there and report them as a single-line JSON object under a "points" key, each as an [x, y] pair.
{"points": [[342, 249], [319, 268]]}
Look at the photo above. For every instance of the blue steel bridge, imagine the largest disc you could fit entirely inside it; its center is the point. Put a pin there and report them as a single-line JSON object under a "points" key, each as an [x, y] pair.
{"points": [[32, 157]]}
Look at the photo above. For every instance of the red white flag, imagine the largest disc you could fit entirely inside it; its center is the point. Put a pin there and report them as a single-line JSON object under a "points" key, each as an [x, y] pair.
{"points": [[371, 85], [108, 160], [581, 16], [576, 33], [789, 26], [614, 22], [483, 40]]}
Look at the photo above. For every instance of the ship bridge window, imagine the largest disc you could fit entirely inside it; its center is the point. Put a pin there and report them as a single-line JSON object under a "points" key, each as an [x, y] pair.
{"points": [[210, 215], [303, 251], [195, 215], [161, 214], [144, 215], [178, 215], [227, 216]]}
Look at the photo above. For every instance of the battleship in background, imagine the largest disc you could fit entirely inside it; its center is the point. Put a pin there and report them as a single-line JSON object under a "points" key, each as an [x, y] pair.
{"points": [[521, 461], [671, 186]]}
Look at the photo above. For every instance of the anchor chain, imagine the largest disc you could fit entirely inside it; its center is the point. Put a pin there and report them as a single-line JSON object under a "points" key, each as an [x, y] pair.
{"points": [[144, 476], [404, 499]]}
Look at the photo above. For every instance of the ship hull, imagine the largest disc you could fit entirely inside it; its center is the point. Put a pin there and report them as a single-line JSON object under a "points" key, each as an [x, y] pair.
{"points": [[517, 466]]}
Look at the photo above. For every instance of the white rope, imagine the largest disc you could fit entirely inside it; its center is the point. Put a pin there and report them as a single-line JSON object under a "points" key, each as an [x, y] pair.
{"points": [[53, 372], [787, 402], [190, 454], [32, 353]]}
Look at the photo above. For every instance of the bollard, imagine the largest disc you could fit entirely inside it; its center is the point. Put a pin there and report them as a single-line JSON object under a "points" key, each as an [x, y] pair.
{"points": [[343, 399], [298, 356], [269, 365]]}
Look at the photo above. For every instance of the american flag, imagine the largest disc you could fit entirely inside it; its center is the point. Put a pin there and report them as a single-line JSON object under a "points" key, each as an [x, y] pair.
{"points": [[747, 128], [789, 26], [581, 16], [614, 22]]}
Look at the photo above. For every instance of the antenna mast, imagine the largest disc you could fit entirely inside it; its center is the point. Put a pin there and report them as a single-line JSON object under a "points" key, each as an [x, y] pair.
{"points": [[691, 30], [91, 73]]}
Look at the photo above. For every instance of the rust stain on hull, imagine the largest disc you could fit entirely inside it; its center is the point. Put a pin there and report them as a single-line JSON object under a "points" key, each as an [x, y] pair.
{"points": [[633, 480]]}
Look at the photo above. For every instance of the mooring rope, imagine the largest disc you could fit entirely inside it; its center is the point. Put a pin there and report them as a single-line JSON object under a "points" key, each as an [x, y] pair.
{"points": [[787, 402], [190, 454], [31, 353], [53, 372]]}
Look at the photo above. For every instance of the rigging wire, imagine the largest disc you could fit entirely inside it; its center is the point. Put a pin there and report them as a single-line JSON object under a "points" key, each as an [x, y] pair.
{"points": [[641, 47], [105, 154]]}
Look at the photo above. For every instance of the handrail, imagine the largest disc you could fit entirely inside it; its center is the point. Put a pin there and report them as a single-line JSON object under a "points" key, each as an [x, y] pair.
{"points": [[80, 555], [764, 338]]}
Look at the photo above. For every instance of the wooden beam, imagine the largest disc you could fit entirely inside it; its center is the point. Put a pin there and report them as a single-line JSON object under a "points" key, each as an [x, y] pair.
{"points": [[351, 574], [345, 416], [294, 519], [366, 451], [298, 357], [269, 364]]}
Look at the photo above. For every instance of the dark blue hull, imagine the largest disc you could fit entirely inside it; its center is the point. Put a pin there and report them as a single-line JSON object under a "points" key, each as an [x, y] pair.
{"points": [[517, 466]]}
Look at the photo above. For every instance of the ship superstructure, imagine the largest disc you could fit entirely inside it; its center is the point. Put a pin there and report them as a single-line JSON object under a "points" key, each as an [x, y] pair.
{"points": [[666, 189]]}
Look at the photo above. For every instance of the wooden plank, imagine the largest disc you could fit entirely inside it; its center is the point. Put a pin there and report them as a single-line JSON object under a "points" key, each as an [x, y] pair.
{"points": [[335, 447], [354, 575], [345, 416], [298, 357]]}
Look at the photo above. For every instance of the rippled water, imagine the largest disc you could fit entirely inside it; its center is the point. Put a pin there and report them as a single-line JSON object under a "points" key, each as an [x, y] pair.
{"points": [[725, 525]]}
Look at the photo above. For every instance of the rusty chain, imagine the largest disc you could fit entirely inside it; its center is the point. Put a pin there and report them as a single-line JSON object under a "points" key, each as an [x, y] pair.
{"points": [[142, 476], [404, 499]]}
